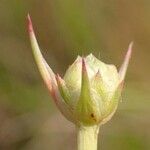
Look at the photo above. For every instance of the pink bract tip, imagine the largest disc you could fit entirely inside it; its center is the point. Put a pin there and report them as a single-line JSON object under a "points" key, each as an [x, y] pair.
{"points": [[128, 55], [83, 65], [123, 69], [30, 27]]}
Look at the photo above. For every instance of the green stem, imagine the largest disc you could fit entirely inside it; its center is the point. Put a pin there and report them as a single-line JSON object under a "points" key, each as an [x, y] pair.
{"points": [[87, 137]]}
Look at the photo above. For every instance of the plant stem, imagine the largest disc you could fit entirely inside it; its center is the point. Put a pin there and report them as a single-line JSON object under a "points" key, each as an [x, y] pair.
{"points": [[87, 137]]}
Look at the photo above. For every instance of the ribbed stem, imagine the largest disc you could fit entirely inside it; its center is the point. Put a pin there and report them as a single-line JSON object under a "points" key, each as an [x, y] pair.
{"points": [[87, 138]]}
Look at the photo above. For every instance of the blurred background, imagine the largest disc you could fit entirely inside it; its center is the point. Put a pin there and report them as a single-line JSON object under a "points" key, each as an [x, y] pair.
{"points": [[29, 119]]}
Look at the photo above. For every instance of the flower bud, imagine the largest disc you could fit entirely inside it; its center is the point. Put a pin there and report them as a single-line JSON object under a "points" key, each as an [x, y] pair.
{"points": [[90, 90]]}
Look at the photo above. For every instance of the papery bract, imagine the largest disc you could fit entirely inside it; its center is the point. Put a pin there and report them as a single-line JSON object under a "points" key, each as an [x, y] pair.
{"points": [[90, 90]]}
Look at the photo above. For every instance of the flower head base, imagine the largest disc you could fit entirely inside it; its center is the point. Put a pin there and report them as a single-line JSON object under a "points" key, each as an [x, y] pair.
{"points": [[90, 90]]}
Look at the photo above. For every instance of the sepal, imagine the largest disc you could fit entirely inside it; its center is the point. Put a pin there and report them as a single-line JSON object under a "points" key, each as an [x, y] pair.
{"points": [[87, 110], [63, 89], [112, 104]]}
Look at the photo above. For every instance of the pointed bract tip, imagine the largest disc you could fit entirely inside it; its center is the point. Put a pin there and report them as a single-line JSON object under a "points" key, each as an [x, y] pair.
{"points": [[83, 65], [30, 27], [129, 52], [123, 69]]}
